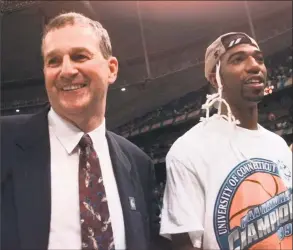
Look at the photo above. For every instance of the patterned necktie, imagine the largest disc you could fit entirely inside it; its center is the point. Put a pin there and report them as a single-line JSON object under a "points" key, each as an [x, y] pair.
{"points": [[96, 228]]}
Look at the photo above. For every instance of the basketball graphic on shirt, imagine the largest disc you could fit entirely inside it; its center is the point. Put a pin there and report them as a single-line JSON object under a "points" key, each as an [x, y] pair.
{"points": [[254, 208]]}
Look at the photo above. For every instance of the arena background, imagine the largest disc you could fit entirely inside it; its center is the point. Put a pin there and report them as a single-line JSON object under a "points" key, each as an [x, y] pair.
{"points": [[160, 47]]}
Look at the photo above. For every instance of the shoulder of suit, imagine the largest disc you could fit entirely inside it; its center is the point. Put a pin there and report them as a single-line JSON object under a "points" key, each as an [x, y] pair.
{"points": [[127, 146], [10, 127], [13, 120]]}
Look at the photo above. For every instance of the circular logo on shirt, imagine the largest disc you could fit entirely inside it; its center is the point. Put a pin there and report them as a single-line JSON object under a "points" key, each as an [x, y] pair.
{"points": [[253, 209]]}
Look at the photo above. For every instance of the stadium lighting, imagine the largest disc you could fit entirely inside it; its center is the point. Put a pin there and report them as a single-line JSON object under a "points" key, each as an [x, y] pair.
{"points": [[17, 110], [123, 89]]}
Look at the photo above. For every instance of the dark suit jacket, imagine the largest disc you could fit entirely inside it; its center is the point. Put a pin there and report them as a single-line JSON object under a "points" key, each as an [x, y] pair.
{"points": [[26, 185]]}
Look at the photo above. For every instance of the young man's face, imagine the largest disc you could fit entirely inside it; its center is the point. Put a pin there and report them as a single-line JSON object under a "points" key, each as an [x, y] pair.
{"points": [[243, 75]]}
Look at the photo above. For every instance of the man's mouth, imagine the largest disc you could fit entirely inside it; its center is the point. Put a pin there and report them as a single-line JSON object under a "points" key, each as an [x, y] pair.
{"points": [[257, 80], [254, 81], [73, 87]]}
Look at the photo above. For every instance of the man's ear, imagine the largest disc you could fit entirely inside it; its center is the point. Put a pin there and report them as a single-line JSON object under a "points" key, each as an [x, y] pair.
{"points": [[113, 67], [213, 80]]}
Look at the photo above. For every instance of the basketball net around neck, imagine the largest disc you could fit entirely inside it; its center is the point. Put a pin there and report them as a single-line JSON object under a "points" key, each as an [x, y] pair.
{"points": [[218, 99]]}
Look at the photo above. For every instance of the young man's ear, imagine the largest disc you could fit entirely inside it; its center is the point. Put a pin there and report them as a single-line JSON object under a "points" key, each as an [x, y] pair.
{"points": [[213, 81]]}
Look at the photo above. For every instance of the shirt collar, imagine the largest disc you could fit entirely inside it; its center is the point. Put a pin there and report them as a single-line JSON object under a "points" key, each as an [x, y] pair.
{"points": [[68, 134]]}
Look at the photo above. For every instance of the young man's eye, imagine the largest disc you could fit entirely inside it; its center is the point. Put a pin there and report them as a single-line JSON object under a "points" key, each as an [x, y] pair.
{"points": [[237, 60]]}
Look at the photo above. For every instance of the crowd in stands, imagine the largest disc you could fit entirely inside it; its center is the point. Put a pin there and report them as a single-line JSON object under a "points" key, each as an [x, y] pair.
{"points": [[282, 123], [161, 144], [279, 70], [159, 192]]}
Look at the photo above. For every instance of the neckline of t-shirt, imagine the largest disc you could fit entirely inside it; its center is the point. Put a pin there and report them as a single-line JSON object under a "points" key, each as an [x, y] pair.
{"points": [[257, 132]]}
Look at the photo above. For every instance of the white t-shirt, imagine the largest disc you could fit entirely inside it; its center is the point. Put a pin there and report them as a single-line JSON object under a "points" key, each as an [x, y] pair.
{"points": [[229, 188]]}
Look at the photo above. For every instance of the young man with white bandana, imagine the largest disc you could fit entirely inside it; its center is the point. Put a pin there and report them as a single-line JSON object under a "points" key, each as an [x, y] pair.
{"points": [[229, 180]]}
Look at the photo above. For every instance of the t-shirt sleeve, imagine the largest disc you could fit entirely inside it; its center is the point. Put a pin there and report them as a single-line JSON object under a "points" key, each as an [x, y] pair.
{"points": [[287, 169], [184, 202]]}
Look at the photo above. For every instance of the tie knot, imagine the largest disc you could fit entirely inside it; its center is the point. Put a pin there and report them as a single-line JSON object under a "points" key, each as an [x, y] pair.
{"points": [[85, 141]]}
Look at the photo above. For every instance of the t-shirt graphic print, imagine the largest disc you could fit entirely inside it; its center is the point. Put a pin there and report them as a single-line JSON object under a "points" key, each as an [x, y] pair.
{"points": [[253, 209]]}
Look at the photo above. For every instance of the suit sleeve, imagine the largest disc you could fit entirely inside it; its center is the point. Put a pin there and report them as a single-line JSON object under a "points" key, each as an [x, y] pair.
{"points": [[8, 235], [153, 203]]}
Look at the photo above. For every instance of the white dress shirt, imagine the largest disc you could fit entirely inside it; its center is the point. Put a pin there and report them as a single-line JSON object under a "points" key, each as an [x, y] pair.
{"points": [[65, 230]]}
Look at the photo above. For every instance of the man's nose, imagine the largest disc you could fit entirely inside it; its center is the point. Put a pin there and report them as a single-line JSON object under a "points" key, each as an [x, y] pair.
{"points": [[253, 66], [68, 69]]}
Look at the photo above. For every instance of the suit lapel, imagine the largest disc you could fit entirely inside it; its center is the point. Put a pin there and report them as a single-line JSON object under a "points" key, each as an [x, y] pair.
{"points": [[32, 183], [129, 190]]}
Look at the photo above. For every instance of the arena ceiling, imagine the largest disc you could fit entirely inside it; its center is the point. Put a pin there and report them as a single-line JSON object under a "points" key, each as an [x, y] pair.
{"points": [[168, 29]]}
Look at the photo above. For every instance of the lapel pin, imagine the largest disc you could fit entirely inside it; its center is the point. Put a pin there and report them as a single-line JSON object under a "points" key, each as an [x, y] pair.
{"points": [[132, 203]]}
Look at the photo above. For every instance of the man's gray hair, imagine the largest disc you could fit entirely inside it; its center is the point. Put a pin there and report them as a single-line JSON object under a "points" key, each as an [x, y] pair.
{"points": [[72, 18]]}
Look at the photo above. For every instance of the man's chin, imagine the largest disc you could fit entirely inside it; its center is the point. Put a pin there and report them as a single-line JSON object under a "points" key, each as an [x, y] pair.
{"points": [[72, 109], [77, 110], [254, 99]]}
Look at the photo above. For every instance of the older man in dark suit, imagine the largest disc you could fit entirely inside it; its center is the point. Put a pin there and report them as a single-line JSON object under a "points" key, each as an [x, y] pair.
{"points": [[67, 182]]}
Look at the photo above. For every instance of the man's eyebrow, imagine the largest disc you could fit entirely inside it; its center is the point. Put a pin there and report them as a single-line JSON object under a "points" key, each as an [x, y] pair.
{"points": [[51, 53], [254, 53], [80, 49], [73, 50]]}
